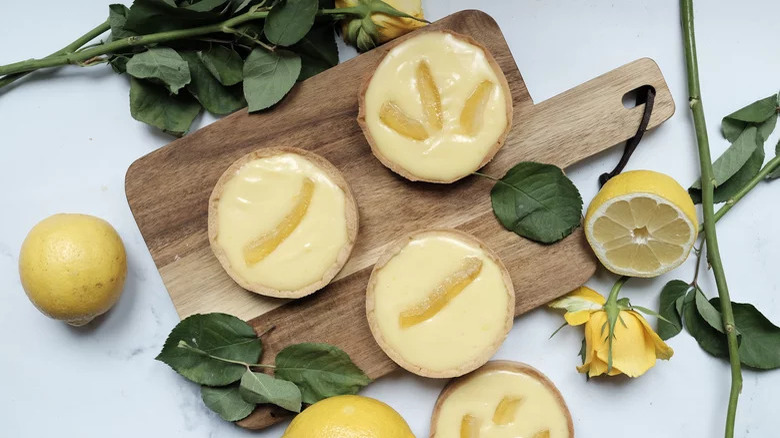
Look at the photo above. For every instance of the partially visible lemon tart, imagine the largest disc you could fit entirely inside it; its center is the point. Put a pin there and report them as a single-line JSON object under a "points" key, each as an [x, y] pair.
{"points": [[501, 399], [439, 303], [282, 222], [437, 108]]}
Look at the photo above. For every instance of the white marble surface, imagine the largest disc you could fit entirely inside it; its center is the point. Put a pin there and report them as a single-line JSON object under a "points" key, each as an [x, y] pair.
{"points": [[66, 142]]}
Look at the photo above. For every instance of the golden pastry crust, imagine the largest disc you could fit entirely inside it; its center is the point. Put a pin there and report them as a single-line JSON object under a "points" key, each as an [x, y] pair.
{"points": [[351, 218], [395, 167], [501, 365], [373, 324]]}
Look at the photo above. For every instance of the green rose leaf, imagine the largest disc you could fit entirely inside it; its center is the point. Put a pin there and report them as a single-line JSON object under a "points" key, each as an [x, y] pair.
{"points": [[289, 21], [262, 388], [775, 173], [320, 371], [226, 401], [152, 16], [733, 158], [269, 76], [709, 313], [152, 104], [207, 5], [709, 339], [759, 345], [318, 51], [757, 111], [766, 128], [117, 17], [672, 297], [118, 63], [215, 97], [224, 63], [732, 129], [537, 201], [192, 345], [163, 64], [240, 5]]}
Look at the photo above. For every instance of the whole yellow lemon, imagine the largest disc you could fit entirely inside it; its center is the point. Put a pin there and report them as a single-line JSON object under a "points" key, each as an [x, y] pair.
{"points": [[348, 416], [73, 267]]}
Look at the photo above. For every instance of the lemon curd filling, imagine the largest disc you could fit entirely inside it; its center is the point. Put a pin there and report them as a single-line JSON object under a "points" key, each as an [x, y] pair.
{"points": [[282, 222], [439, 303], [435, 107], [501, 403]]}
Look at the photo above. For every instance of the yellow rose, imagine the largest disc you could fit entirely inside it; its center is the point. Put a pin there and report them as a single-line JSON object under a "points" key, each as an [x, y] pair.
{"points": [[634, 345], [374, 22]]}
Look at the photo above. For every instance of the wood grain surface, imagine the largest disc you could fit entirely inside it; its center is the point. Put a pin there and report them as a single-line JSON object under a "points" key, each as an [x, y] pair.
{"points": [[168, 192]]}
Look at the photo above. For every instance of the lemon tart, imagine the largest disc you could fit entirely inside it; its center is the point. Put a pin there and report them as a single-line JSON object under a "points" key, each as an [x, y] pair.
{"points": [[439, 303], [282, 222], [501, 399], [437, 107]]}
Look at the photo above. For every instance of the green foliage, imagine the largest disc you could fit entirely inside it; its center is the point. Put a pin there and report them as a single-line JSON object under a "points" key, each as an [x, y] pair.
{"points": [[289, 21], [153, 16], [262, 388], [710, 340], [215, 97], [759, 345], [670, 308], [318, 51], [227, 402], [211, 336], [224, 63], [537, 201], [759, 339], [320, 371], [747, 129], [216, 350], [152, 104], [160, 64], [117, 17], [268, 76], [212, 67], [775, 173]]}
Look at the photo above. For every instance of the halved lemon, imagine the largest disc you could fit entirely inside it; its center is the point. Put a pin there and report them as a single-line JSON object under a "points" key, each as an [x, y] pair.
{"points": [[641, 224]]}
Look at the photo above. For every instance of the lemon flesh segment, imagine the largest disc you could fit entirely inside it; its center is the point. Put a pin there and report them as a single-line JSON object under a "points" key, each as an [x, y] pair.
{"points": [[542, 434], [469, 427], [258, 249], [506, 411], [642, 234], [474, 110], [429, 95], [394, 117], [445, 292]]}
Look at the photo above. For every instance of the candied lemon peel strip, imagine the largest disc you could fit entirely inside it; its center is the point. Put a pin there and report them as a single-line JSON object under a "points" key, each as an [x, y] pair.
{"points": [[429, 95], [473, 113], [469, 427], [394, 117], [445, 292], [506, 411], [542, 434], [258, 249]]}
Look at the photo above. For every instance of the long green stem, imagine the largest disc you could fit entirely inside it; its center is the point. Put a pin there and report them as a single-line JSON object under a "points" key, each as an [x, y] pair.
{"points": [[711, 236], [226, 26], [72, 47]]}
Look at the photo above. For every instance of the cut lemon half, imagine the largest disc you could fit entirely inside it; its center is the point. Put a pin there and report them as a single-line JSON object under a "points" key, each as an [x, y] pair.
{"points": [[641, 224]]}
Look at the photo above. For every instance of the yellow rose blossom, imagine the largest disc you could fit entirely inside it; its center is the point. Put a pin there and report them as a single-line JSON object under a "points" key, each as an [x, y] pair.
{"points": [[374, 22], [624, 344]]}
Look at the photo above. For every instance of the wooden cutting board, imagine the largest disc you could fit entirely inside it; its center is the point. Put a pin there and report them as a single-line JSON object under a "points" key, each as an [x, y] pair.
{"points": [[168, 192]]}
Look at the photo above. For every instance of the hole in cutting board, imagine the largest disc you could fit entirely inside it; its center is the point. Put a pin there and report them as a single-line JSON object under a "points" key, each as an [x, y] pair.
{"points": [[636, 97]]}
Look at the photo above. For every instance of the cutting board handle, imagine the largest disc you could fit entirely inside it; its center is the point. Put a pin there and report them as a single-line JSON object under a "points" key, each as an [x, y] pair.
{"points": [[590, 117]]}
